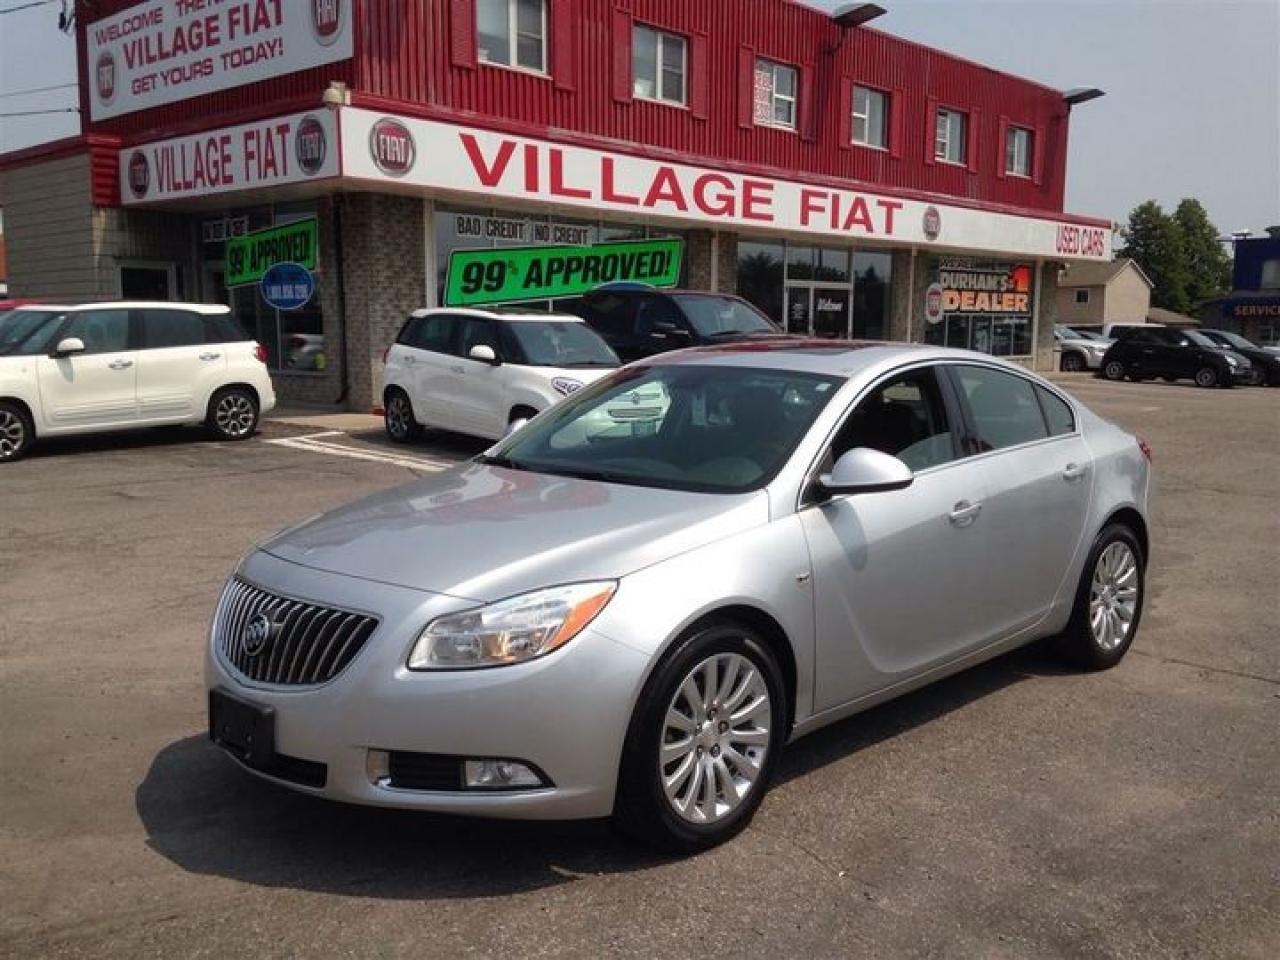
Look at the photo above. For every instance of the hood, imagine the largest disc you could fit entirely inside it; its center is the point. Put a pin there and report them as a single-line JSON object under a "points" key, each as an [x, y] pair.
{"points": [[484, 533]]}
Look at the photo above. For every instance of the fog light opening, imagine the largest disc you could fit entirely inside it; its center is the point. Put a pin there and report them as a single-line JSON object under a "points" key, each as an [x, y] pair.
{"points": [[498, 774], [377, 765]]}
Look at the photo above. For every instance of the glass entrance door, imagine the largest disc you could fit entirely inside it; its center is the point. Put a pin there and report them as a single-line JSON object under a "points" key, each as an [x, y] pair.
{"points": [[799, 310], [818, 310]]}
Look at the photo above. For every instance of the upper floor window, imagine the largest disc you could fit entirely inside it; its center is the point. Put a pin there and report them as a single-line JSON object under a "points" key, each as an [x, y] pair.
{"points": [[660, 65], [1017, 152], [949, 137], [1082, 296], [513, 33], [870, 117], [776, 93], [1270, 276]]}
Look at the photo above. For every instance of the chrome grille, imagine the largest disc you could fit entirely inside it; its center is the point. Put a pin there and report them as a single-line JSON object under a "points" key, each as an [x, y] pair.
{"points": [[305, 643]]}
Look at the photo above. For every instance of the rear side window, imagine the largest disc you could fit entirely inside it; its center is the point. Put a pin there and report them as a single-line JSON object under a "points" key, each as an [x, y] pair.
{"points": [[171, 328], [1057, 413], [612, 316], [103, 331], [1003, 407], [432, 333], [224, 328]]}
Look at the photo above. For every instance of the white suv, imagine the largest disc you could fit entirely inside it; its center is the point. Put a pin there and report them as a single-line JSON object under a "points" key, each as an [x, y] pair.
{"points": [[477, 371], [112, 366]]}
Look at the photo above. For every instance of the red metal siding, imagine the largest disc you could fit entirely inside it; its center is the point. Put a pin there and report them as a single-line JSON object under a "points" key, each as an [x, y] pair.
{"points": [[418, 56]]}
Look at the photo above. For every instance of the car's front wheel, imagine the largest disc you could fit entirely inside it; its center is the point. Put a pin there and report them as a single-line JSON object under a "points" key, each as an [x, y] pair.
{"points": [[1207, 377], [402, 426], [1072, 362], [232, 414], [1113, 370], [1108, 601], [703, 740], [16, 431]]}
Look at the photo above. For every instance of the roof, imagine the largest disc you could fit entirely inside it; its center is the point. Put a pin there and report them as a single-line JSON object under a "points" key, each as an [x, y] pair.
{"points": [[500, 313], [1170, 318], [1099, 274], [205, 308]]}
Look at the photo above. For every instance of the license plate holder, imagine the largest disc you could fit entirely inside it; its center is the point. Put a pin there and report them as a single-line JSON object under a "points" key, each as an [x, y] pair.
{"points": [[245, 730]]}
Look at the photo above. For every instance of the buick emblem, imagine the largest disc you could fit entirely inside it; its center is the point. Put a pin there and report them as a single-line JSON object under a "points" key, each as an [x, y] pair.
{"points": [[391, 145], [256, 634]]}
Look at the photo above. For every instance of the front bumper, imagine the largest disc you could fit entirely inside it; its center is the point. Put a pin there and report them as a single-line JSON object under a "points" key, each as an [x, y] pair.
{"points": [[566, 713]]}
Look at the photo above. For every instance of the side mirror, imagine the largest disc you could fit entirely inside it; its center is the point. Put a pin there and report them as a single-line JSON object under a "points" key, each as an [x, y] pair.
{"points": [[67, 346], [483, 352], [864, 470]]}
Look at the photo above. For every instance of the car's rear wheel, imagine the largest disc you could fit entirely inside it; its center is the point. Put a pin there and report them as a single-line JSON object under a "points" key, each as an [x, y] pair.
{"points": [[703, 741], [1072, 362], [1207, 377], [1256, 378], [232, 414], [1113, 370], [1108, 603], [402, 426], [16, 431]]}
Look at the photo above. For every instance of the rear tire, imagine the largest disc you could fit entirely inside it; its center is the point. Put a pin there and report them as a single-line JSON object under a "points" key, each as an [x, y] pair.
{"points": [[1113, 370], [1072, 363], [701, 787], [398, 417], [1207, 377], [1108, 605], [16, 432], [232, 414]]}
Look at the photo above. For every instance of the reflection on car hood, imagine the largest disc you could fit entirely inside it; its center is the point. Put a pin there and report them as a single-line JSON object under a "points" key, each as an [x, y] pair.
{"points": [[484, 533]]}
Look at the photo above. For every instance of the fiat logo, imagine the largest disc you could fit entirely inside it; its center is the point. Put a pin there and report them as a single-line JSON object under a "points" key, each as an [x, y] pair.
{"points": [[256, 634], [139, 174], [105, 70], [326, 20], [310, 145], [391, 145], [933, 303], [932, 223]]}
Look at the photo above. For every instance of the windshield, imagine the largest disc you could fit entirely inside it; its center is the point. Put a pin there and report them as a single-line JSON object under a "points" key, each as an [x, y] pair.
{"points": [[723, 316], [1232, 338], [1198, 338], [703, 428], [27, 332], [561, 343]]}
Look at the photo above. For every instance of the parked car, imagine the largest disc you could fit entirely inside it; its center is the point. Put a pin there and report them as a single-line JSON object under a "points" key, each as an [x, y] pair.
{"points": [[1143, 353], [639, 321], [478, 372], [1266, 363], [119, 365], [566, 627], [1079, 350]]}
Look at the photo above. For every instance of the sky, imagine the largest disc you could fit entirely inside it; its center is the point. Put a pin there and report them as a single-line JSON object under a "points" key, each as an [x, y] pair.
{"points": [[1192, 106]]}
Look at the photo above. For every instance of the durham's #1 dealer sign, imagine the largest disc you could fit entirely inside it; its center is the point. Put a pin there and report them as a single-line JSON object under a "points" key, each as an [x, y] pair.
{"points": [[169, 50]]}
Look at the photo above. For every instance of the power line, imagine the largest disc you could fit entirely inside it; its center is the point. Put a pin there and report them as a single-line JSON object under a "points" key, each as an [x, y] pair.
{"points": [[26, 6], [53, 86], [33, 113]]}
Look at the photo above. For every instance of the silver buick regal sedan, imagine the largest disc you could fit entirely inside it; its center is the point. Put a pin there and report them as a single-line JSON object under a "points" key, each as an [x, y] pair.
{"points": [[629, 606]]}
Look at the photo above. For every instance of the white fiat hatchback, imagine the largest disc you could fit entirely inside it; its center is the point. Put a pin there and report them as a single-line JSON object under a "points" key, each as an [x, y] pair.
{"points": [[119, 365], [477, 372]]}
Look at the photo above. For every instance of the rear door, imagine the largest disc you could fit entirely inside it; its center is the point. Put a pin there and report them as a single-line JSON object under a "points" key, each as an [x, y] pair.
{"points": [[1039, 480], [178, 366], [97, 387]]}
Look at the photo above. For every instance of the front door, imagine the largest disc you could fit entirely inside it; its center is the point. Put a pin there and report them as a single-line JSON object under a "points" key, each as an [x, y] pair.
{"points": [[479, 386], [97, 387], [818, 310]]}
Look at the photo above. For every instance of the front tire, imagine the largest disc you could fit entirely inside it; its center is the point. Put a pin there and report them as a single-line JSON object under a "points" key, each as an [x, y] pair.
{"points": [[1072, 363], [402, 426], [1207, 377], [703, 741], [16, 432], [232, 414], [1109, 599], [1113, 370]]}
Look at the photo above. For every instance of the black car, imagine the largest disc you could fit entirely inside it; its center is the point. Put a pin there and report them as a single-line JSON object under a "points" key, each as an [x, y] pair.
{"points": [[639, 321], [1144, 353], [1266, 363]]}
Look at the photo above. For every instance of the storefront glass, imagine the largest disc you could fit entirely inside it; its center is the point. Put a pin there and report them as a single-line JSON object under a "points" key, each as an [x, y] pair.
{"points": [[982, 305]]}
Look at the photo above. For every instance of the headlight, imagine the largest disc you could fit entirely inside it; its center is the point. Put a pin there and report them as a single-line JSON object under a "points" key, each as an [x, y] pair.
{"points": [[1232, 361], [512, 630], [565, 386]]}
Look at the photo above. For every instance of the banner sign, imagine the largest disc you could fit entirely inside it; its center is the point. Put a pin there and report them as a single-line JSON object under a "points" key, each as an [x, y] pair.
{"points": [[492, 166], [164, 51], [264, 153], [508, 230], [536, 273], [251, 256], [982, 287]]}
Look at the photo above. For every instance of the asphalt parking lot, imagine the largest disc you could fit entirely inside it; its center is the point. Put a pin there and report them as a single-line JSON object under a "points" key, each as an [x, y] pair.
{"points": [[1015, 810]]}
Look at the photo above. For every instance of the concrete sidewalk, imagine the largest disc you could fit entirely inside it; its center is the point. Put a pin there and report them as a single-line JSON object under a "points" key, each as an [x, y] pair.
{"points": [[325, 418]]}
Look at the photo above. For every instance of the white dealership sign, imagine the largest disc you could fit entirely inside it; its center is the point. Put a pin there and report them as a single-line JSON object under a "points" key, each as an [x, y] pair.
{"points": [[266, 153], [489, 165], [168, 50]]}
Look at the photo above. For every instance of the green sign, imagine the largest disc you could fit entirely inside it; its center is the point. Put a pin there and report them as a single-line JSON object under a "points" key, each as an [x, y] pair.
{"points": [[535, 273], [252, 255]]}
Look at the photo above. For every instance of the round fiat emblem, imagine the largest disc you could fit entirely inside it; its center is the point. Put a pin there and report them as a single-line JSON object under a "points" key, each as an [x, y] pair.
{"points": [[326, 20], [106, 74], [932, 223], [933, 303], [139, 174], [256, 634], [391, 145], [310, 145]]}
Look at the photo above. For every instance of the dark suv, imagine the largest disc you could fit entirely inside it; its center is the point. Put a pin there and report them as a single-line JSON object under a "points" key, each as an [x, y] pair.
{"points": [[639, 321], [1266, 363], [1144, 353]]}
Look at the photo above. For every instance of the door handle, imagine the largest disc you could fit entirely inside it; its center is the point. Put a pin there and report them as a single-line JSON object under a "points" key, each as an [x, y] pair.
{"points": [[210, 356], [1072, 472], [120, 364], [964, 513]]}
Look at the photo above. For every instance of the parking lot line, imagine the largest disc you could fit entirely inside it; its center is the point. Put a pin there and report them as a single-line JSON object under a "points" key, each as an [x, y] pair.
{"points": [[312, 445]]}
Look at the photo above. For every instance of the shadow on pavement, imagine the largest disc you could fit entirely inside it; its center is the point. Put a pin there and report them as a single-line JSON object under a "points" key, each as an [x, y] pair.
{"points": [[209, 817]]}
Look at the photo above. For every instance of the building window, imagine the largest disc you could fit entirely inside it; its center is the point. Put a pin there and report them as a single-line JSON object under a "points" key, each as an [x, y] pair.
{"points": [[660, 63], [775, 95], [870, 117], [1017, 152], [1082, 297], [513, 33], [949, 138], [1270, 275]]}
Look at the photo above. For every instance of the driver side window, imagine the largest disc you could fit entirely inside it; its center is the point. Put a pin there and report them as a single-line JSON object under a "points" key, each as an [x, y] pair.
{"points": [[103, 331], [905, 417]]}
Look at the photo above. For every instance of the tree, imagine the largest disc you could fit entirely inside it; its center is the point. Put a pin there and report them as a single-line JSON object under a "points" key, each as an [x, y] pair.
{"points": [[1153, 240], [1208, 263]]}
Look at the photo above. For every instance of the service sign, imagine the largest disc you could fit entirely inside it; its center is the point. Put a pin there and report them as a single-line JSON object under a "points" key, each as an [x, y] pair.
{"points": [[266, 153], [489, 165], [533, 273], [250, 256], [164, 51]]}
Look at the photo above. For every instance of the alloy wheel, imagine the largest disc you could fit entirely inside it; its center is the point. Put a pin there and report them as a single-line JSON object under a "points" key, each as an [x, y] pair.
{"points": [[1071, 362], [1113, 596], [13, 434], [1206, 377], [234, 415], [1114, 370], [715, 738], [397, 416]]}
